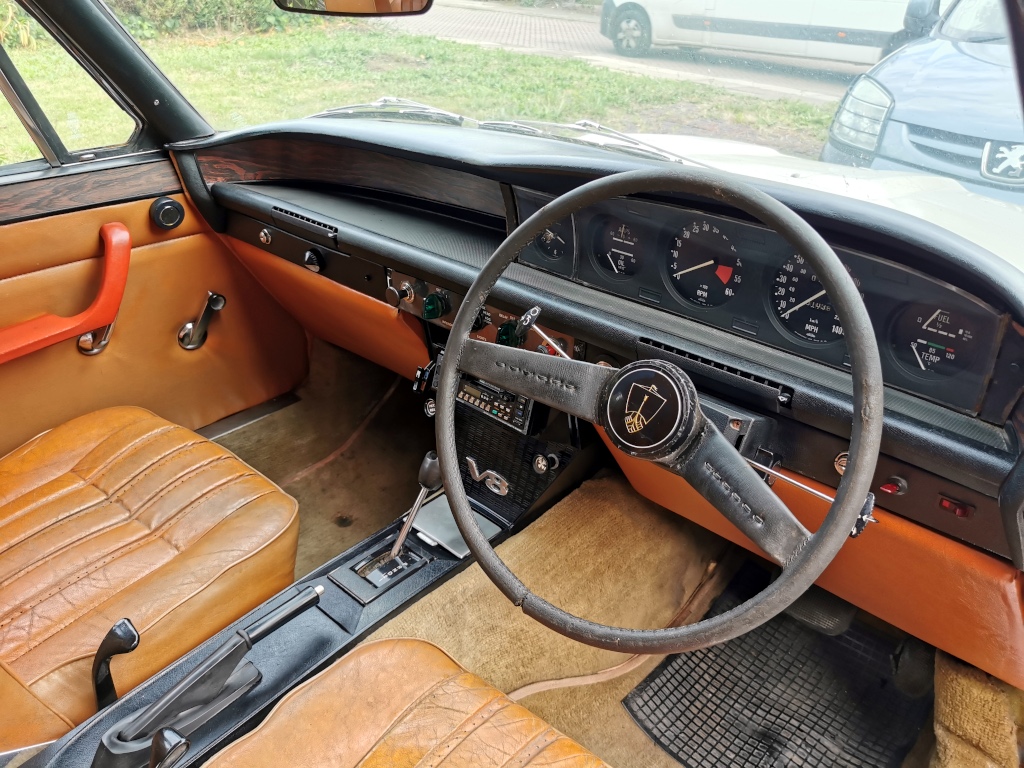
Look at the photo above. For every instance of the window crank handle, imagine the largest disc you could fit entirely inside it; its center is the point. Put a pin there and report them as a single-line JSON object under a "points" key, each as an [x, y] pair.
{"points": [[193, 333]]}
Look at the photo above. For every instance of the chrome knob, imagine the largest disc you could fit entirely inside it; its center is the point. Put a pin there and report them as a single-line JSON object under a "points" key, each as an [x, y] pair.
{"points": [[395, 296]]}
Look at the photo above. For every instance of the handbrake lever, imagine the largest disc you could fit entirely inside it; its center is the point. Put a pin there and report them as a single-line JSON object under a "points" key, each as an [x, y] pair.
{"points": [[220, 679], [210, 679]]}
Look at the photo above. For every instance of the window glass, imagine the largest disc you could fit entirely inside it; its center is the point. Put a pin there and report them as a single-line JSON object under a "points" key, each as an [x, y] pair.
{"points": [[975, 21], [81, 112], [16, 145]]}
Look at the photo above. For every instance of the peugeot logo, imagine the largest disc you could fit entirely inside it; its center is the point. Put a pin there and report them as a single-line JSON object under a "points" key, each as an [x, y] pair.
{"points": [[495, 483]]}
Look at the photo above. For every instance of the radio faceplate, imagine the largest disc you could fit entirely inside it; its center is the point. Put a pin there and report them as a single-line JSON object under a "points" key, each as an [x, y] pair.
{"points": [[507, 407]]}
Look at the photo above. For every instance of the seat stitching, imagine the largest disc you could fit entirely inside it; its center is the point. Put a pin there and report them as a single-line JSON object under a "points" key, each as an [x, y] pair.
{"points": [[118, 454], [458, 735], [401, 716], [104, 598], [86, 481], [151, 466], [28, 568], [541, 741], [174, 482], [171, 609], [83, 484], [150, 535], [170, 485], [35, 505]]}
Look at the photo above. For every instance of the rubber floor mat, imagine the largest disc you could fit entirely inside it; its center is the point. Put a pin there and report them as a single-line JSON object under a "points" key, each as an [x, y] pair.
{"points": [[781, 695]]}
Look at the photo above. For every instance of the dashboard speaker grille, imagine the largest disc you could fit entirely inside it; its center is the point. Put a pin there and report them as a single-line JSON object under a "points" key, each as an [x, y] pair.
{"points": [[716, 365], [332, 230]]}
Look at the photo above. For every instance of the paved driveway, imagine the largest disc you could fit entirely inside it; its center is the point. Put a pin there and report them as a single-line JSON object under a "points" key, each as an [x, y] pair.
{"points": [[555, 32]]}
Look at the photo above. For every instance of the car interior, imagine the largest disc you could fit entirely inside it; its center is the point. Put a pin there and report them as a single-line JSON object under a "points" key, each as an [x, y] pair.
{"points": [[358, 442]]}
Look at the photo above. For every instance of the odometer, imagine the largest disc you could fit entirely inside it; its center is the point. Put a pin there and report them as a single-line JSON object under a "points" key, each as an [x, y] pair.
{"points": [[703, 265], [802, 305]]}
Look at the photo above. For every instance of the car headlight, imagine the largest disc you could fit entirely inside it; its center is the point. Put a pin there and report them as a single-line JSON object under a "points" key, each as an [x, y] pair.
{"points": [[862, 114]]}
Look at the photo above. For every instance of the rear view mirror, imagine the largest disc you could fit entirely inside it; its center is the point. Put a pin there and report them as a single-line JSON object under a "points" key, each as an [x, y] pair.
{"points": [[921, 17], [355, 7]]}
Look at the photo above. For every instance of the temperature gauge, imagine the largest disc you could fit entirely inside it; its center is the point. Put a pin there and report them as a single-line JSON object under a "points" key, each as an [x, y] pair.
{"points": [[934, 342]]}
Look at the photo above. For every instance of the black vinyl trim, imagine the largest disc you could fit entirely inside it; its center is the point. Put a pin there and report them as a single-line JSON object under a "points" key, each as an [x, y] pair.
{"points": [[867, 37]]}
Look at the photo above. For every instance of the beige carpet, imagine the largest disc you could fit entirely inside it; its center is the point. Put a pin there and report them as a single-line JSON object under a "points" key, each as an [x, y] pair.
{"points": [[348, 451], [603, 553], [979, 720]]}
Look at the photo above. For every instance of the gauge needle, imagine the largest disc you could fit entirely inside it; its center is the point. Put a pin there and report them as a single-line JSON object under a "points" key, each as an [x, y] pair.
{"points": [[913, 347], [612, 262], [803, 303], [707, 263]]}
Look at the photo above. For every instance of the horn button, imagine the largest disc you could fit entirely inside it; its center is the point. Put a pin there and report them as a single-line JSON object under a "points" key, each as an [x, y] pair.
{"points": [[650, 409]]}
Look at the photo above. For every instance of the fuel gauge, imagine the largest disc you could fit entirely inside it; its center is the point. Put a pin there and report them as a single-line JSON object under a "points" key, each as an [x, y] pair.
{"points": [[934, 342]]}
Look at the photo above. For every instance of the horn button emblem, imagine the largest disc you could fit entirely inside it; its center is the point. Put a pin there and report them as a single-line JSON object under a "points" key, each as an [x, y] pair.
{"points": [[649, 409]]}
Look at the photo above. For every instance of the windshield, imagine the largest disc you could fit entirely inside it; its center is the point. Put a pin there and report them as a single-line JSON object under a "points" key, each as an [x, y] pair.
{"points": [[881, 101], [974, 21]]}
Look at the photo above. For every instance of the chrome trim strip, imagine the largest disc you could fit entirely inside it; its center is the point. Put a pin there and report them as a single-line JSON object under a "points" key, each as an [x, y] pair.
{"points": [[28, 121], [791, 481]]}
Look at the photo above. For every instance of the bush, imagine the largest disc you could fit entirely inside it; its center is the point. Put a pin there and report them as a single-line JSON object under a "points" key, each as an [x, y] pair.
{"points": [[17, 29], [148, 18]]}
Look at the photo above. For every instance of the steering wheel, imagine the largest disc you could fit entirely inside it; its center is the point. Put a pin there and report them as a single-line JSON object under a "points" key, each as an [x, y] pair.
{"points": [[650, 409]]}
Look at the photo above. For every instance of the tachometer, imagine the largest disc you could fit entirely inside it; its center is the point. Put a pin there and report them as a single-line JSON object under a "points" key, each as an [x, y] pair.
{"points": [[932, 341], [617, 248], [802, 305], [703, 265]]}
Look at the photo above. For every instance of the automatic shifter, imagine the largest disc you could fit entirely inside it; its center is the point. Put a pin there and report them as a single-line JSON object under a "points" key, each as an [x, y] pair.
{"points": [[430, 481], [385, 569]]}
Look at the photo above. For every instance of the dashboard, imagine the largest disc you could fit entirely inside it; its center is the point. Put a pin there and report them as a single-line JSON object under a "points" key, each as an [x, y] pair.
{"points": [[935, 340]]}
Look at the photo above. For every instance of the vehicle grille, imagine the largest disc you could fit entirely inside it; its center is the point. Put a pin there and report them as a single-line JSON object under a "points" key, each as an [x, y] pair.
{"points": [[946, 146]]}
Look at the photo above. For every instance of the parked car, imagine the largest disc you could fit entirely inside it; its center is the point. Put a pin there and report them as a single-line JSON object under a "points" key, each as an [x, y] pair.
{"points": [[945, 103], [854, 31]]}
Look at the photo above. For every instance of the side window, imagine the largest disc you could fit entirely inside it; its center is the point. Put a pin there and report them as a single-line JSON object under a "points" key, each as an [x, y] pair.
{"points": [[16, 146], [68, 105]]}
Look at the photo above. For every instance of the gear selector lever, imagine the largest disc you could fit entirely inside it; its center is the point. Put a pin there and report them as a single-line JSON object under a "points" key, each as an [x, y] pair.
{"points": [[430, 481]]}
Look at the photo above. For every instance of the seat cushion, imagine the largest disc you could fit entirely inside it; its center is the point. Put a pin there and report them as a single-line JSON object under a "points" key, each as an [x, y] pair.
{"points": [[122, 514], [398, 704]]}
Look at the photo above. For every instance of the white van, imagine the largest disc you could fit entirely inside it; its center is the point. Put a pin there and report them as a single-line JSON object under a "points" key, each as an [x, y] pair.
{"points": [[855, 31]]}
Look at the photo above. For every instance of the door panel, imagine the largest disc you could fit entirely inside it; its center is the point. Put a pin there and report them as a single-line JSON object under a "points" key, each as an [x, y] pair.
{"points": [[255, 350]]}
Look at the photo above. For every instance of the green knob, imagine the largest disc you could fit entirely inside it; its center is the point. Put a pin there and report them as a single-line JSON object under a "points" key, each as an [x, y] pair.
{"points": [[507, 334], [436, 305]]}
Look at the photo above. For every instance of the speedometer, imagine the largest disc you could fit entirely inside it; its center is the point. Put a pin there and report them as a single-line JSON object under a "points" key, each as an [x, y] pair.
{"points": [[934, 342], [703, 265], [802, 305]]}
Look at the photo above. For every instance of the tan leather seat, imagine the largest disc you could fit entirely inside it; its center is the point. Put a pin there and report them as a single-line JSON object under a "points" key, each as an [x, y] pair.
{"points": [[399, 704], [122, 514]]}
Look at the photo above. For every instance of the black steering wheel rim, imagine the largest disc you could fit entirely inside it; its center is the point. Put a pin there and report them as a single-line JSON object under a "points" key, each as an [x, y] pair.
{"points": [[808, 563]]}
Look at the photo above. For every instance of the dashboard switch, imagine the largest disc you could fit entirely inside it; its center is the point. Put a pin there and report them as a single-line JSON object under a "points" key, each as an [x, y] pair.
{"points": [[313, 260], [894, 486], [958, 508], [507, 335], [396, 295], [436, 305]]}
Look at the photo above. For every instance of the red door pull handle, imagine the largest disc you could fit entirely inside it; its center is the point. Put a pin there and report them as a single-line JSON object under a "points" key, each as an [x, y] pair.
{"points": [[32, 335]]}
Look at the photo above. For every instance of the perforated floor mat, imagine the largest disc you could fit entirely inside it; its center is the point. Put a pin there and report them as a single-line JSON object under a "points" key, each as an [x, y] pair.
{"points": [[782, 695]]}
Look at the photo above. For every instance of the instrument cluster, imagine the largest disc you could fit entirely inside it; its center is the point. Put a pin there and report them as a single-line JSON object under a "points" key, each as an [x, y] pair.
{"points": [[936, 340]]}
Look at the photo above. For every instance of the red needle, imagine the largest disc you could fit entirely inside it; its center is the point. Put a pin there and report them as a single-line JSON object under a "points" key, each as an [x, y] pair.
{"points": [[724, 273]]}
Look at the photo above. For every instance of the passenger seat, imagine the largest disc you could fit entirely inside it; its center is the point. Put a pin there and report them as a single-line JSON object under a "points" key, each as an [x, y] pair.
{"points": [[122, 514]]}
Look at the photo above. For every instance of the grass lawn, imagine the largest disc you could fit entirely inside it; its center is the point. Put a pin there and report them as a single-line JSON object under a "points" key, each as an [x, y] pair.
{"points": [[240, 80]]}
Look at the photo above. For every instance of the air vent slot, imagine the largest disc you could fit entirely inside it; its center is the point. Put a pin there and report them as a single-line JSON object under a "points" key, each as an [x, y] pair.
{"points": [[718, 366], [306, 223]]}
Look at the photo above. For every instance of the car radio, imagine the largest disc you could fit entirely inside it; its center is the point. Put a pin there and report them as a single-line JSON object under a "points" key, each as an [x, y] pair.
{"points": [[507, 407]]}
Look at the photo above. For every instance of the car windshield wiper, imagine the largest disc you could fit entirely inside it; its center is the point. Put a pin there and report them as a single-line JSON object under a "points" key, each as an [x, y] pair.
{"points": [[576, 133], [395, 108]]}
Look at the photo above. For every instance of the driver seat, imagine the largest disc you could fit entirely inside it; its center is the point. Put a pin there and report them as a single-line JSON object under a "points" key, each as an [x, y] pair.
{"points": [[402, 703]]}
